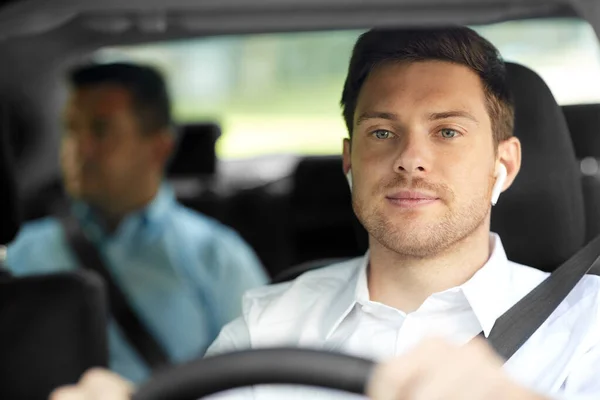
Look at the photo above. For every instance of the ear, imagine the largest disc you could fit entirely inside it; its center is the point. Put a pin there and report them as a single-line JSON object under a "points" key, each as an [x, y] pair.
{"points": [[509, 155], [163, 147], [346, 162]]}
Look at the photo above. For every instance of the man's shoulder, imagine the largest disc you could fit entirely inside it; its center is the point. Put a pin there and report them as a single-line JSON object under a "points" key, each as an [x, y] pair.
{"points": [[37, 230], [588, 291], [589, 285], [525, 273], [200, 225], [581, 304], [292, 298], [183, 213], [37, 247]]}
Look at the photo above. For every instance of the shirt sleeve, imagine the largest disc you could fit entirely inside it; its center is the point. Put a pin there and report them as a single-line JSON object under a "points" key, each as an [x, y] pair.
{"points": [[583, 383], [233, 337]]}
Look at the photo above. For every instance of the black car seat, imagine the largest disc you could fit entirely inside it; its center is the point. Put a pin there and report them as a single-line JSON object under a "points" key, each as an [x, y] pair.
{"points": [[52, 327], [321, 215], [541, 218], [584, 124], [9, 222], [193, 166]]}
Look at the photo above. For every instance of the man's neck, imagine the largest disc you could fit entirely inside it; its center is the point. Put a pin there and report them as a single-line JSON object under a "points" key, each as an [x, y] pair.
{"points": [[112, 216], [406, 282]]}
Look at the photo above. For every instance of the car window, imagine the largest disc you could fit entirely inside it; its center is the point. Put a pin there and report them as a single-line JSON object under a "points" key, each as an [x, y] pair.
{"points": [[279, 93]]}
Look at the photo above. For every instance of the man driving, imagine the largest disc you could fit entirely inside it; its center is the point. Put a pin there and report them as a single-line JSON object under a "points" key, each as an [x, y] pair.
{"points": [[430, 147]]}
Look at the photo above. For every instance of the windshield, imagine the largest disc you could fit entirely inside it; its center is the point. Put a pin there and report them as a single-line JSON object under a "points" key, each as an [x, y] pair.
{"points": [[279, 93]]}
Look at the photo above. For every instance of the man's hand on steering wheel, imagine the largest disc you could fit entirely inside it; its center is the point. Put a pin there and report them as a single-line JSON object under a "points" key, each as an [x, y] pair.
{"points": [[96, 384], [435, 369]]}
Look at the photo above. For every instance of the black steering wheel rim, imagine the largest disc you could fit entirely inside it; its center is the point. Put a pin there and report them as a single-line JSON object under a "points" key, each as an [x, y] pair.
{"points": [[212, 375]]}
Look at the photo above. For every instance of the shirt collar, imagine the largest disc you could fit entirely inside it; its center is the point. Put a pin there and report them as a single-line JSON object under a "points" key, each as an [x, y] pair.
{"points": [[486, 291], [147, 216], [356, 288]]}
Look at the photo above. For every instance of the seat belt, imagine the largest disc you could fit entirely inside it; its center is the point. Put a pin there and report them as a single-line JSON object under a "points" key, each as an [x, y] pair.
{"points": [[523, 319], [136, 332]]}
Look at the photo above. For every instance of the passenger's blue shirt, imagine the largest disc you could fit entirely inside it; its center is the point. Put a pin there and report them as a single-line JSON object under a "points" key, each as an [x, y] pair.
{"points": [[183, 273]]}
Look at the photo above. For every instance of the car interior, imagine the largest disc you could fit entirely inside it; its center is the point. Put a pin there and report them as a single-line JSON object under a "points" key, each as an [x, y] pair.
{"points": [[293, 208], [63, 315]]}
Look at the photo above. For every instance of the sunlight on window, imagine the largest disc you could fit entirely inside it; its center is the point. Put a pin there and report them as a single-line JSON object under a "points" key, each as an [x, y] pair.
{"points": [[279, 93]]}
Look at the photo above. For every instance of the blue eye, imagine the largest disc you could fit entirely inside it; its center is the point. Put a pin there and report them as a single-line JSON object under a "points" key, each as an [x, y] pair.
{"points": [[448, 133], [382, 134]]}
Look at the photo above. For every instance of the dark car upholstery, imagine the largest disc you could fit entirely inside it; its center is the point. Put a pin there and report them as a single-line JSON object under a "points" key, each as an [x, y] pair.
{"points": [[584, 125]]}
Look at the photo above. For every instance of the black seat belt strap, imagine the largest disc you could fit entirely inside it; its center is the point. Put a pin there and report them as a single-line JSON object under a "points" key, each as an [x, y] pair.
{"points": [[521, 321], [134, 330]]}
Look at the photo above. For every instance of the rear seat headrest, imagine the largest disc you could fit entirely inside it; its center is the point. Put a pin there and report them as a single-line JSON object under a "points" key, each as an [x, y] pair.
{"points": [[195, 154], [318, 178], [541, 217]]}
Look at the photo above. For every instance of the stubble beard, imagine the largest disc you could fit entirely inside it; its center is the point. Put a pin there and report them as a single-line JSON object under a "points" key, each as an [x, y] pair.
{"points": [[415, 237]]}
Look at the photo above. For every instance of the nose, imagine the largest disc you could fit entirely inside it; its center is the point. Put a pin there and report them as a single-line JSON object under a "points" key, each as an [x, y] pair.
{"points": [[412, 155]]}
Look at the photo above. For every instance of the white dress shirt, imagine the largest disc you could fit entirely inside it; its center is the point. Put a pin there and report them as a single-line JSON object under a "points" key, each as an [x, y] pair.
{"points": [[329, 309]]}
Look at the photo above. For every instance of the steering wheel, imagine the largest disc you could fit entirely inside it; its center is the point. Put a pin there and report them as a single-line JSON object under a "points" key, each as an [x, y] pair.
{"points": [[211, 375]]}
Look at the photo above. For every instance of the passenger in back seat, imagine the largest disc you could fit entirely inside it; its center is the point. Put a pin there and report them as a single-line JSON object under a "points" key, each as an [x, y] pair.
{"points": [[431, 147], [183, 273]]}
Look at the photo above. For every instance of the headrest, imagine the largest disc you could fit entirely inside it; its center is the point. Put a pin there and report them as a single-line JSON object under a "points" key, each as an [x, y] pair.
{"points": [[9, 222], [321, 211], [541, 217], [196, 154], [584, 125], [318, 178]]}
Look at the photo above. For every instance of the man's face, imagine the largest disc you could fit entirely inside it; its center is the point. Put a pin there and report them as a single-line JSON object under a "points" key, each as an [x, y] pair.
{"points": [[422, 156], [105, 156]]}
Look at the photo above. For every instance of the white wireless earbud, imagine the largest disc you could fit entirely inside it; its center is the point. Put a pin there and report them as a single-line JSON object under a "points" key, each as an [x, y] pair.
{"points": [[349, 178], [500, 179]]}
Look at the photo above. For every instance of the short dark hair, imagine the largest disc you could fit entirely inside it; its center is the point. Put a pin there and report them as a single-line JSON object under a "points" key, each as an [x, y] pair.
{"points": [[460, 45], [145, 84]]}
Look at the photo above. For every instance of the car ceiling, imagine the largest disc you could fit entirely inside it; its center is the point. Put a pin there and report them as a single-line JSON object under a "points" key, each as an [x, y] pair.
{"points": [[173, 17], [40, 32]]}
